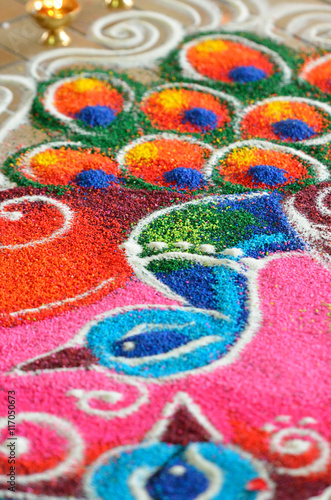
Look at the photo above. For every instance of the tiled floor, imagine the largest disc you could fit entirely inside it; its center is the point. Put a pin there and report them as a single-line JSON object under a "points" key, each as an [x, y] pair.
{"points": [[19, 34], [19, 37]]}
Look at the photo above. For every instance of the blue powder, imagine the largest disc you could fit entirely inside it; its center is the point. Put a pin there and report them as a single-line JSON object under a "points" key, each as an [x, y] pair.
{"points": [[164, 485], [184, 177], [151, 343], [195, 284], [201, 117], [271, 224], [112, 478], [296, 130], [267, 174], [245, 74], [94, 178], [96, 116], [216, 288], [208, 338]]}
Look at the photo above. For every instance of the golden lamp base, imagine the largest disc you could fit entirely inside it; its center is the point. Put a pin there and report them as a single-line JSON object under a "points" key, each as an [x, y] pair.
{"points": [[53, 19], [119, 4], [55, 38]]}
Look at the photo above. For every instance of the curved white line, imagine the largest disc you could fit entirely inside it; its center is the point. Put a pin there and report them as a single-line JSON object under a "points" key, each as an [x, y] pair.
{"points": [[156, 137], [18, 117], [194, 86], [65, 429], [321, 170], [67, 212], [189, 72], [60, 302], [24, 160], [322, 139], [51, 90]]}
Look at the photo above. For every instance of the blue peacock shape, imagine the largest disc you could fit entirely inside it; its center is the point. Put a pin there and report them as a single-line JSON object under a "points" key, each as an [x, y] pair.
{"points": [[205, 254]]}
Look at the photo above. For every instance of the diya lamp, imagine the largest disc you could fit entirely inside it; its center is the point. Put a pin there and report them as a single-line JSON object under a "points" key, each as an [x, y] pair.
{"points": [[119, 4], [53, 16]]}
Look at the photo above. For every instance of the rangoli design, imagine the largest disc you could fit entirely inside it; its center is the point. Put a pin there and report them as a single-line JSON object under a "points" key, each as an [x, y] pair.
{"points": [[165, 269]]}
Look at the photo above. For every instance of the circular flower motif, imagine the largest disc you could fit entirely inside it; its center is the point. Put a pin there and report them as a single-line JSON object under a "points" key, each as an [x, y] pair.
{"points": [[317, 73], [88, 103], [167, 160], [187, 108], [227, 60], [63, 163], [95, 102], [299, 451], [259, 164], [288, 119]]}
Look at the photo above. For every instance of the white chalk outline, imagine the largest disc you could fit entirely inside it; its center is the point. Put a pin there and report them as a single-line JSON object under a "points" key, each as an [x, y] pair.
{"points": [[48, 98], [237, 105], [64, 428], [132, 251], [325, 495], [67, 212], [19, 116], [24, 161], [135, 31], [82, 395], [152, 437], [121, 155], [312, 65], [319, 465], [321, 171], [314, 233], [188, 71], [60, 302], [322, 139]]}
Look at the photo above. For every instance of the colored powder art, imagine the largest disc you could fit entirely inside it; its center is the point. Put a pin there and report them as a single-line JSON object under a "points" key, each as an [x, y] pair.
{"points": [[92, 101], [256, 167], [229, 61], [168, 161], [165, 274], [52, 166], [284, 120], [186, 110], [317, 73]]}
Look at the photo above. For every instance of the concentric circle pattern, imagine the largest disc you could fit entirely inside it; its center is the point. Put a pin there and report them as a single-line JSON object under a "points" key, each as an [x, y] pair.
{"points": [[229, 61], [186, 109], [165, 268]]}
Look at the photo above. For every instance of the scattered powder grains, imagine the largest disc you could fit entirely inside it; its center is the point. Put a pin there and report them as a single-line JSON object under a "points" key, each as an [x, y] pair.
{"points": [[229, 61], [186, 110], [74, 97], [319, 73], [61, 166], [284, 120], [47, 268], [167, 162], [256, 226], [254, 167], [179, 303]]}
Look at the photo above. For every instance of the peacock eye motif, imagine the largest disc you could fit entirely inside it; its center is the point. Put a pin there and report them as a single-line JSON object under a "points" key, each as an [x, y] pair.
{"points": [[168, 465], [188, 108], [165, 265], [86, 103], [286, 119], [66, 163], [228, 59]]}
